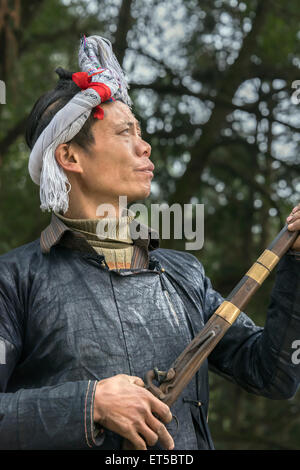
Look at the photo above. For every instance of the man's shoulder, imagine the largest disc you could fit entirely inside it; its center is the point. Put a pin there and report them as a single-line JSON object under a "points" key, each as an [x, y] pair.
{"points": [[181, 261], [22, 254]]}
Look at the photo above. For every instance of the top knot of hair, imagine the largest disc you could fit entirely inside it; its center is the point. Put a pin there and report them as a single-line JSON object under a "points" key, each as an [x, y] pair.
{"points": [[63, 74]]}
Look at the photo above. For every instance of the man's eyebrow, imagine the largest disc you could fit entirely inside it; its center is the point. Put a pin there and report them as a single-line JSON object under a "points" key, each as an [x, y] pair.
{"points": [[131, 124]]}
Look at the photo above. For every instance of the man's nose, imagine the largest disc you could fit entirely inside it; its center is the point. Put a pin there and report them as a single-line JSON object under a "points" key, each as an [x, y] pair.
{"points": [[143, 148]]}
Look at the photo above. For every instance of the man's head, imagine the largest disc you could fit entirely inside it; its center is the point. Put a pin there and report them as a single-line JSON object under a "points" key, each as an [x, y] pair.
{"points": [[115, 162], [106, 158]]}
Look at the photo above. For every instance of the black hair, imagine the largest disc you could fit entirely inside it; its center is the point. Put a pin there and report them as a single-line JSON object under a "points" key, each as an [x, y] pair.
{"points": [[49, 104]]}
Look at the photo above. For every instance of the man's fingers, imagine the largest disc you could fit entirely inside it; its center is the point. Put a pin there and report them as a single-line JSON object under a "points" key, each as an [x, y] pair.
{"points": [[294, 212], [293, 220], [294, 216], [294, 223], [148, 434], [137, 441], [165, 438], [161, 431], [136, 380], [133, 413], [152, 429], [161, 409]]}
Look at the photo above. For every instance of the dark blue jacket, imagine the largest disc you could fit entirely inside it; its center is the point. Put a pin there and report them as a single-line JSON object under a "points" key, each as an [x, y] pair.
{"points": [[67, 321]]}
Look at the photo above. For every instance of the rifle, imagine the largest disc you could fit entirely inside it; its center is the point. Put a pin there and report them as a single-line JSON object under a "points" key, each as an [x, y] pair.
{"points": [[181, 372]]}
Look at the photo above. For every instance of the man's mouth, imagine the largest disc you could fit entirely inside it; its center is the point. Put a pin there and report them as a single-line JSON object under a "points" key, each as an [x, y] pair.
{"points": [[147, 169], [146, 172]]}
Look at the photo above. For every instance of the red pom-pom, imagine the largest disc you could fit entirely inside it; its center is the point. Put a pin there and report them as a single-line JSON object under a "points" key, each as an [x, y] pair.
{"points": [[99, 113], [81, 79], [102, 90]]}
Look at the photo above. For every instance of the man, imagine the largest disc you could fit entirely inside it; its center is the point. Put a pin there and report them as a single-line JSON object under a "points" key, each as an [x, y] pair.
{"points": [[82, 318]]}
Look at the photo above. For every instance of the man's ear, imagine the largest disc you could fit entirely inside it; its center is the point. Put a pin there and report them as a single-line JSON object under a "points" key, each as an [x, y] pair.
{"points": [[68, 158]]}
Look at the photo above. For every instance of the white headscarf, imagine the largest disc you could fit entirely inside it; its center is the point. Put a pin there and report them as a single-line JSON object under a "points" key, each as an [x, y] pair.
{"points": [[95, 57]]}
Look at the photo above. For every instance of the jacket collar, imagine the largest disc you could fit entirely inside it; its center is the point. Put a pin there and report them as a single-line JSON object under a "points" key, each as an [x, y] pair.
{"points": [[53, 234]]}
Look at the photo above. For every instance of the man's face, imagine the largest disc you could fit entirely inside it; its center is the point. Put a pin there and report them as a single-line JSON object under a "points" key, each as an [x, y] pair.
{"points": [[118, 163]]}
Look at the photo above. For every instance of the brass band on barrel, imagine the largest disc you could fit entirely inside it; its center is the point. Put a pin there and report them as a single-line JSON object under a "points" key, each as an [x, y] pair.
{"points": [[228, 311], [268, 259], [258, 272]]}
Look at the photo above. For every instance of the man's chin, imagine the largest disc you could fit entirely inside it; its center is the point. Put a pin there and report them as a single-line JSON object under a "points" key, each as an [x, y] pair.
{"points": [[140, 196]]}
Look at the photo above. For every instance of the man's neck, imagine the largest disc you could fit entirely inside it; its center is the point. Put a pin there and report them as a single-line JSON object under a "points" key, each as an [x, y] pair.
{"points": [[99, 211]]}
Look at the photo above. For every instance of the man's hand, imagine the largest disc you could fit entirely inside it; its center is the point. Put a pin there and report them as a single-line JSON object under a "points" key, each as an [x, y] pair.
{"points": [[122, 405], [293, 221]]}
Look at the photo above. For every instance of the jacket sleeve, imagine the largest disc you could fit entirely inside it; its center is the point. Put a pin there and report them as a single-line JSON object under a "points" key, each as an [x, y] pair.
{"points": [[263, 361], [52, 417]]}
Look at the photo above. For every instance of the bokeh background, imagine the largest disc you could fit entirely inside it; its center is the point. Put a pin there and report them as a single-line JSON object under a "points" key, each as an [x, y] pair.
{"points": [[212, 84]]}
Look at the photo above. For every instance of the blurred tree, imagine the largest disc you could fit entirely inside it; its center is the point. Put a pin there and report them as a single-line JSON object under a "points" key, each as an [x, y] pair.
{"points": [[211, 83]]}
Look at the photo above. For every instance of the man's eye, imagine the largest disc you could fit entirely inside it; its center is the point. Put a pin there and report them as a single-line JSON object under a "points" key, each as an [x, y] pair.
{"points": [[125, 130]]}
